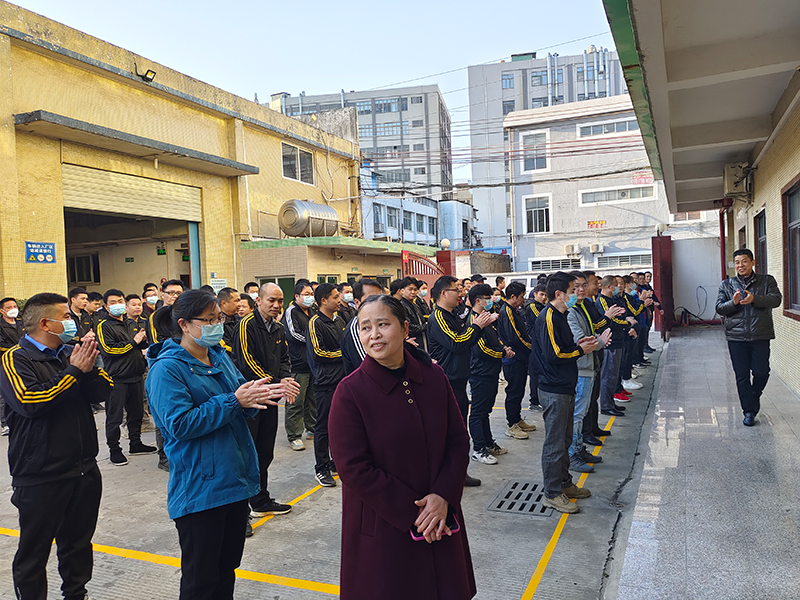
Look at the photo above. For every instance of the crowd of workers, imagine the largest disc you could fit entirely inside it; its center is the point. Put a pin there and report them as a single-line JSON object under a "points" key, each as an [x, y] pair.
{"points": [[577, 342]]}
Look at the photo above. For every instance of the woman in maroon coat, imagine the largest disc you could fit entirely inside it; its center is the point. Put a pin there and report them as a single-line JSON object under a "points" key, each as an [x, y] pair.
{"points": [[402, 451]]}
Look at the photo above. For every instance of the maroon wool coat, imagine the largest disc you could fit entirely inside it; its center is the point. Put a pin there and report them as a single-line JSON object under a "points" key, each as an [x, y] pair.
{"points": [[396, 441]]}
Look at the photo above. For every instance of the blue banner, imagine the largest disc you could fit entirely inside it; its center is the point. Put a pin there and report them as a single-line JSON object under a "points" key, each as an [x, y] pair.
{"points": [[40, 252]]}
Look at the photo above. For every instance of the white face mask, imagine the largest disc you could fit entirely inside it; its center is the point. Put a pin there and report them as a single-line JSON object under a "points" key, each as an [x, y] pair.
{"points": [[254, 295], [12, 313], [152, 300], [423, 293]]}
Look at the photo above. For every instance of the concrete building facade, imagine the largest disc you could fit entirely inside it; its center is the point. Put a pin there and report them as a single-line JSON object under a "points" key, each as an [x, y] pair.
{"points": [[527, 82], [457, 218]]}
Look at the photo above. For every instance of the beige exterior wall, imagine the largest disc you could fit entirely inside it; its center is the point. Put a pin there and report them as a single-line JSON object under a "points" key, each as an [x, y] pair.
{"points": [[779, 167]]}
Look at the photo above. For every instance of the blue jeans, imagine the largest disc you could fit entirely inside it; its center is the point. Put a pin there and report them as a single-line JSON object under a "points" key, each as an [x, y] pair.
{"points": [[558, 410], [484, 392], [583, 395]]}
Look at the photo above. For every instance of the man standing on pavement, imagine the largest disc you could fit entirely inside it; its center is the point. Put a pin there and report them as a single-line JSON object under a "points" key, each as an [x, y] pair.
{"points": [[49, 387], [347, 310], [260, 350], [78, 300], [125, 363], [229, 307], [612, 354], [557, 381], [303, 413], [746, 302], [324, 346], [353, 352], [512, 330], [450, 340], [532, 311], [10, 332]]}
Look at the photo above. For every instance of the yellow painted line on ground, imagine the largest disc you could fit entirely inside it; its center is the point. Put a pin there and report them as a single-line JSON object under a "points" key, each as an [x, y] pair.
{"points": [[172, 561], [533, 584], [303, 496]]}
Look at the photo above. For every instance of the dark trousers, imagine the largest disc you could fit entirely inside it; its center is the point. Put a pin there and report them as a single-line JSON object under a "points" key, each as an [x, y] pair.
{"points": [[747, 358], [264, 429], [609, 377], [644, 336], [484, 392], [2, 412], [67, 511], [533, 374], [517, 376], [212, 542], [129, 396], [558, 411], [322, 452], [590, 424], [302, 414], [162, 456], [626, 364], [460, 391]]}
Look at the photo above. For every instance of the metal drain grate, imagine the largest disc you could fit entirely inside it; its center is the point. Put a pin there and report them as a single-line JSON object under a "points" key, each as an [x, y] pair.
{"points": [[520, 497]]}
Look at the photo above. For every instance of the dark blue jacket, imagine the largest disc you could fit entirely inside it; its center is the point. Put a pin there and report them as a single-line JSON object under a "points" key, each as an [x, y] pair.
{"points": [[619, 326], [449, 342], [512, 329], [486, 357], [559, 353]]}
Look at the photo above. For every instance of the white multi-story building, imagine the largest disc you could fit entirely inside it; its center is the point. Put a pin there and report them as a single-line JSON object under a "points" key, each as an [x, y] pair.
{"points": [[526, 82], [582, 195]]}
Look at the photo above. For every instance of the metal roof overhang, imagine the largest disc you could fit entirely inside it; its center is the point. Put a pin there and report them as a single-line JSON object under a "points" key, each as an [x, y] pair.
{"points": [[50, 125], [711, 82]]}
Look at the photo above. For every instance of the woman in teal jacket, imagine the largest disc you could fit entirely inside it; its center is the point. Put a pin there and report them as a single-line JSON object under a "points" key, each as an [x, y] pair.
{"points": [[200, 401]]}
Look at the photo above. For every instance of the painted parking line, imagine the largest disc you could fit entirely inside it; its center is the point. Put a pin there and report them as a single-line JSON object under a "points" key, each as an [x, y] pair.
{"points": [[533, 584], [303, 496], [172, 561]]}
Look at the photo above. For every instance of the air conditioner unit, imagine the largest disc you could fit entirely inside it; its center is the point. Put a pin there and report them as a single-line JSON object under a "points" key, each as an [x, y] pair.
{"points": [[596, 248], [570, 249], [736, 180]]}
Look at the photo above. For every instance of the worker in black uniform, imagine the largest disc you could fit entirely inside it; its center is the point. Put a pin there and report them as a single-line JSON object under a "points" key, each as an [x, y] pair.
{"points": [[78, 301], [450, 339], [324, 345], [229, 309], [10, 332], [538, 301], [408, 296], [124, 361], [49, 387], [347, 309], [260, 351]]}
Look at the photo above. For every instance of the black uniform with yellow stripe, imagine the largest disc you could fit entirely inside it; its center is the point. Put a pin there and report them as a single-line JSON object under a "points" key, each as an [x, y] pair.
{"points": [[619, 326], [228, 331], [260, 349], [558, 362], [450, 340], [140, 323], [324, 344], [511, 326], [156, 334], [84, 323], [486, 357], [532, 312], [122, 357], [48, 404], [10, 333]]}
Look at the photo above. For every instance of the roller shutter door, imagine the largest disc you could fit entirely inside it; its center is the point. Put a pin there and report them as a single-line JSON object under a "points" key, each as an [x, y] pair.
{"points": [[106, 191]]}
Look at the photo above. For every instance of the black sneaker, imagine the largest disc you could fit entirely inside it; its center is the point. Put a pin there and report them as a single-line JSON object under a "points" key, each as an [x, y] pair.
{"points": [[140, 448], [588, 457], [248, 533], [163, 464], [270, 508], [118, 458], [98, 408], [325, 479], [536, 407]]}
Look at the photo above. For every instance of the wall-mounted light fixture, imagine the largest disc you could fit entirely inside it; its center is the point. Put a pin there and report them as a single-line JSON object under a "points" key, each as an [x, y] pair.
{"points": [[147, 76]]}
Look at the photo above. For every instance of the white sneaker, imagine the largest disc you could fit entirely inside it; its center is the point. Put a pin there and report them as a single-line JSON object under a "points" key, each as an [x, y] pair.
{"points": [[297, 445], [630, 384], [483, 456]]}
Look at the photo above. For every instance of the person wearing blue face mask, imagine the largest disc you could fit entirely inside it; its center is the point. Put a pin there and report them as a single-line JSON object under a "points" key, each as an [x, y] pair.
{"points": [[123, 359], [202, 404]]}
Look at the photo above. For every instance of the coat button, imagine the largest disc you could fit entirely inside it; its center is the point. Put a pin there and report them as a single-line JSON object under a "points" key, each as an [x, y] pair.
{"points": [[405, 383], [411, 401], [408, 392]]}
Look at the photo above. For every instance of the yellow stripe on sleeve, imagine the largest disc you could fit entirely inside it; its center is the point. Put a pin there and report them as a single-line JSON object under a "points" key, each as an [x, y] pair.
{"points": [[125, 349], [514, 325], [463, 337], [312, 332], [251, 362], [23, 395], [550, 332]]}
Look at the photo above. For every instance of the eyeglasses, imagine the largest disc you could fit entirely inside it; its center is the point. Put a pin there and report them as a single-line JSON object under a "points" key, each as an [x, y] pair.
{"points": [[216, 321], [176, 294]]}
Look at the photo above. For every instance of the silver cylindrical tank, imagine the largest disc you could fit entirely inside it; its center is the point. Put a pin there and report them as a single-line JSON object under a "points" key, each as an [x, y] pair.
{"points": [[301, 218]]}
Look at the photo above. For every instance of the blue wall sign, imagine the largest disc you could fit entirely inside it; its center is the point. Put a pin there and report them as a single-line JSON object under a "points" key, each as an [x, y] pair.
{"points": [[40, 252]]}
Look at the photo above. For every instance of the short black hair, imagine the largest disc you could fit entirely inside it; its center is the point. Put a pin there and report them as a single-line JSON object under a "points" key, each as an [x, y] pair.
{"points": [[558, 282], [499, 279], [515, 288], [481, 289], [251, 284], [149, 286], [541, 278], [77, 291], [250, 301], [578, 274], [170, 282], [227, 294], [421, 282], [300, 286], [442, 283], [304, 281], [743, 252], [112, 292], [38, 307], [395, 286], [358, 287], [187, 306], [343, 285], [4, 300], [465, 280], [394, 305], [323, 291], [206, 288], [540, 288], [407, 281], [94, 297], [589, 273], [130, 297]]}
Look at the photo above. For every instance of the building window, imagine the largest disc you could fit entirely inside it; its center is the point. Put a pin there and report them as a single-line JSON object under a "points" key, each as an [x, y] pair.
{"points": [[505, 135], [416, 99], [601, 94], [394, 176], [540, 102], [383, 129], [407, 221], [591, 96], [560, 76], [431, 226], [534, 150], [581, 97], [297, 164], [377, 218], [760, 227], [84, 269], [609, 128], [556, 264], [539, 78], [507, 80], [580, 74], [558, 99], [508, 209], [618, 195], [387, 105], [419, 170], [508, 106], [391, 217], [364, 131], [694, 215], [403, 103], [419, 147], [537, 214], [398, 151], [420, 223], [590, 72], [364, 107], [613, 261], [792, 212], [417, 123]]}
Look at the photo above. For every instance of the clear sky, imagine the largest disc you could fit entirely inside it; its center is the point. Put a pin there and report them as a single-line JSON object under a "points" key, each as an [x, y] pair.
{"points": [[248, 47]]}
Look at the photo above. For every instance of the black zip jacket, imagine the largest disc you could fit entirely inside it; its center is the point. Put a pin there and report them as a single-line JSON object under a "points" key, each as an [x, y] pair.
{"points": [[532, 312], [424, 309], [48, 407], [136, 325], [101, 314], [749, 322], [324, 346], [347, 313], [450, 340], [295, 321], [416, 326], [619, 326], [229, 329], [486, 357], [353, 352], [157, 334], [512, 329], [260, 348], [559, 356], [84, 323], [122, 357], [10, 333]]}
